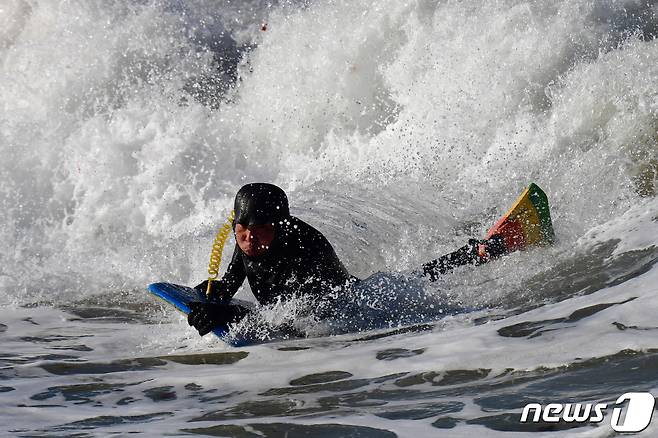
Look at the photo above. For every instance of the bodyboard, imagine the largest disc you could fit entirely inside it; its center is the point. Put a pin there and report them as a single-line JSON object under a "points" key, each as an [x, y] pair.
{"points": [[528, 223], [181, 296]]}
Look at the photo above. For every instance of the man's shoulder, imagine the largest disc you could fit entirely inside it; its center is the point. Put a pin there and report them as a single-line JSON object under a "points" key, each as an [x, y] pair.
{"points": [[308, 233], [304, 227]]}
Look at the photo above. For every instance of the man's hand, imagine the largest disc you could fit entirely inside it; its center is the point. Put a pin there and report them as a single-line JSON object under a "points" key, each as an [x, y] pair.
{"points": [[203, 286], [202, 317], [217, 292]]}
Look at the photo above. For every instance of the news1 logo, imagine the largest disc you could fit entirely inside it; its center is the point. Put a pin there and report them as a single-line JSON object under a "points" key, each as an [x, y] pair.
{"points": [[638, 413]]}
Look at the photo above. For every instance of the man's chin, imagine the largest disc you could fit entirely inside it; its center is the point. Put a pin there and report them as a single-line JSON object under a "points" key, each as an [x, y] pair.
{"points": [[256, 252]]}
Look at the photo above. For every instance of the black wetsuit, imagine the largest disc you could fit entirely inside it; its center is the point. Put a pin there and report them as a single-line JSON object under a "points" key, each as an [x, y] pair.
{"points": [[299, 262]]}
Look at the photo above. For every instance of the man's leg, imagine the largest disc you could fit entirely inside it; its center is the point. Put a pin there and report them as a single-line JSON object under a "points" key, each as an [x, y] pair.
{"points": [[475, 252]]}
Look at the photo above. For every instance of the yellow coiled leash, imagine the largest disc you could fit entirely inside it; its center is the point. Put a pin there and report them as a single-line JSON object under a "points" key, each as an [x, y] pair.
{"points": [[217, 249]]}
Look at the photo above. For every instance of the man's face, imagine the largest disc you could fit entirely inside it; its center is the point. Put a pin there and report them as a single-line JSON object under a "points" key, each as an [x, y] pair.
{"points": [[254, 240]]}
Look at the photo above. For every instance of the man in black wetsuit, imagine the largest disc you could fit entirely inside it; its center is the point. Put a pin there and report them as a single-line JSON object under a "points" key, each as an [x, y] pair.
{"points": [[282, 256]]}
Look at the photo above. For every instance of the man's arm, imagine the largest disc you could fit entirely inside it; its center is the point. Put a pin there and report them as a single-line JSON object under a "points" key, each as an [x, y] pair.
{"points": [[228, 285]]}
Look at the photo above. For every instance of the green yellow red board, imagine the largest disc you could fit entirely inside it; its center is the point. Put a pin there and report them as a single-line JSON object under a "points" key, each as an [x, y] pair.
{"points": [[527, 223]]}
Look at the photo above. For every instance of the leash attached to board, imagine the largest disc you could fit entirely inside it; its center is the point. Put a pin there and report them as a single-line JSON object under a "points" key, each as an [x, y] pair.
{"points": [[216, 252]]}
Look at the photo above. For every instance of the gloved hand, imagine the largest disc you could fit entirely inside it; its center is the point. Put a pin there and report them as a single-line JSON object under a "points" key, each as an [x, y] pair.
{"points": [[203, 317], [217, 292], [203, 286]]}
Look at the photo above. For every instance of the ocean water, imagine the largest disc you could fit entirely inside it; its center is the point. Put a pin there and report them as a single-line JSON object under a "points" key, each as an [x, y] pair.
{"points": [[398, 129]]}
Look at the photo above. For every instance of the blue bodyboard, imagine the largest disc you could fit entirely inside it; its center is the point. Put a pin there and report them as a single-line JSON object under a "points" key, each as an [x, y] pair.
{"points": [[181, 296]]}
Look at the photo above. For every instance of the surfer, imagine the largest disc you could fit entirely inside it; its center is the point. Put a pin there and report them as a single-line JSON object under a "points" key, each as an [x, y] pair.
{"points": [[282, 256]]}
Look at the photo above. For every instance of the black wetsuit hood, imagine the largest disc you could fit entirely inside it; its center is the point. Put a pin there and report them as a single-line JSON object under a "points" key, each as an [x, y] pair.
{"points": [[260, 203]]}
